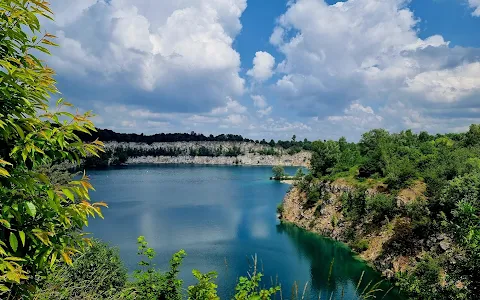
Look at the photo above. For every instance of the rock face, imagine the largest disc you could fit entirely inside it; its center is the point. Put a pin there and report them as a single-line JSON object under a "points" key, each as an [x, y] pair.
{"points": [[326, 218], [299, 159], [250, 154]]}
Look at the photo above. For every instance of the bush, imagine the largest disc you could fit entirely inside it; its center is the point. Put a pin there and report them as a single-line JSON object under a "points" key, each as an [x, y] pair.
{"points": [[98, 273], [280, 208], [360, 245], [423, 282], [381, 206], [403, 240], [278, 172], [354, 204], [419, 213]]}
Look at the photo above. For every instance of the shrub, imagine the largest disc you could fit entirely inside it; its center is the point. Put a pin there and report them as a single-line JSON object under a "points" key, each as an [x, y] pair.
{"points": [[419, 213], [381, 206], [278, 172], [98, 273], [354, 204], [280, 208], [403, 240], [360, 245], [423, 282]]}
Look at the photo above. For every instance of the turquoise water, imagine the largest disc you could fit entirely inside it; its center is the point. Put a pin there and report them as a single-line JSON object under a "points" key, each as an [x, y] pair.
{"points": [[221, 216]]}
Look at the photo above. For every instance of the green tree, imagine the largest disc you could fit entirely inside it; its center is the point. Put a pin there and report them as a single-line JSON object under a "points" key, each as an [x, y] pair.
{"points": [[325, 156], [278, 172], [41, 221]]}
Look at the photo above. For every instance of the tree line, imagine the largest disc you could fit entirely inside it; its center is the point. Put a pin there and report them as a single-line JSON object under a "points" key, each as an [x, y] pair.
{"points": [[107, 135]]}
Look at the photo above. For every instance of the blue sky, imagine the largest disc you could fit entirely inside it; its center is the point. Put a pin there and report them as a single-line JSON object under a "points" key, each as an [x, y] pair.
{"points": [[271, 68]]}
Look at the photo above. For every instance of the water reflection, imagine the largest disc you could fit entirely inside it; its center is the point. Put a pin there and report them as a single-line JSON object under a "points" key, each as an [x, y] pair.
{"points": [[221, 216], [329, 259]]}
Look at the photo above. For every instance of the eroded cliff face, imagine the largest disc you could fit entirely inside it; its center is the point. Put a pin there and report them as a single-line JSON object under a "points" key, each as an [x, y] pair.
{"points": [[251, 154], [326, 218]]}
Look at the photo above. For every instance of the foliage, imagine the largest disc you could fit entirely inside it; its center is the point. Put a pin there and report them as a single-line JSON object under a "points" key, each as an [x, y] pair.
{"points": [[98, 273], [360, 245], [248, 288], [149, 282], [278, 172], [325, 156], [423, 281], [381, 206], [205, 289], [280, 208], [299, 174], [354, 205], [40, 220]]}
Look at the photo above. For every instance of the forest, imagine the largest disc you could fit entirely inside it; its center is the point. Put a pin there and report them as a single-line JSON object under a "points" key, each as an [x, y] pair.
{"points": [[107, 135], [443, 172]]}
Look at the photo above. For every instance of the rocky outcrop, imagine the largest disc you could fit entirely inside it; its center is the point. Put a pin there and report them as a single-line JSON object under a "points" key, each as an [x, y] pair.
{"points": [[253, 159], [326, 218], [248, 154]]}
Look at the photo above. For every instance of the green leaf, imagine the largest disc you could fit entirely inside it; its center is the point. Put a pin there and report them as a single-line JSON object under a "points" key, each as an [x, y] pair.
{"points": [[69, 194], [31, 209], [13, 242], [22, 237], [51, 194], [53, 259]]}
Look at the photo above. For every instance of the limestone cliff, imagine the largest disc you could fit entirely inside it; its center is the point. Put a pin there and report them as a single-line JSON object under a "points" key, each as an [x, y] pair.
{"points": [[326, 218], [247, 154]]}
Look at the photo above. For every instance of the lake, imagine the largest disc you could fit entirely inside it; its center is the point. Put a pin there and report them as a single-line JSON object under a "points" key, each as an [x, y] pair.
{"points": [[221, 216]]}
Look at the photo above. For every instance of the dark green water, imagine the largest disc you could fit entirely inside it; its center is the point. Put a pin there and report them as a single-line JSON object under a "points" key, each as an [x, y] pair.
{"points": [[221, 215]]}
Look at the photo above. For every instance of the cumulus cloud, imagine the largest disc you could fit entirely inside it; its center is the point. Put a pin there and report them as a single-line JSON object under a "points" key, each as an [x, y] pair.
{"points": [[345, 60], [263, 65], [357, 115], [449, 85], [475, 4], [259, 101], [172, 56]]}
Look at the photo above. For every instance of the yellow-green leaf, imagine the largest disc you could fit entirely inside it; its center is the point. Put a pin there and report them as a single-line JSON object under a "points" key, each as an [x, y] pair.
{"points": [[69, 194], [22, 237], [13, 242], [53, 259], [31, 209], [66, 258], [43, 236], [4, 173], [5, 223]]}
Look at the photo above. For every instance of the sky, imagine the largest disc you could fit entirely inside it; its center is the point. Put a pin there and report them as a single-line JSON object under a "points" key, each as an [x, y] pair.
{"points": [[270, 68]]}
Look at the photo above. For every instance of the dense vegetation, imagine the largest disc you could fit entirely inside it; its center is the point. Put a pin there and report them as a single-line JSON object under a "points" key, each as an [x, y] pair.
{"points": [[99, 273], [41, 216], [107, 135], [442, 172]]}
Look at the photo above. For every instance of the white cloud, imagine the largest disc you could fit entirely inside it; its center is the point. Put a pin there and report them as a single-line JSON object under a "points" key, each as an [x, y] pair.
{"points": [[475, 4], [231, 106], [259, 101], [344, 63], [161, 53], [359, 116], [450, 85], [263, 65], [264, 112], [235, 119]]}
